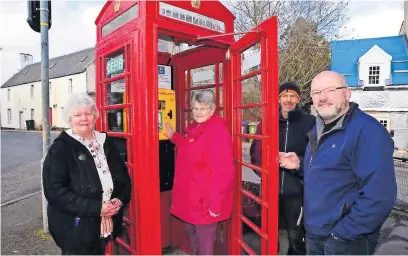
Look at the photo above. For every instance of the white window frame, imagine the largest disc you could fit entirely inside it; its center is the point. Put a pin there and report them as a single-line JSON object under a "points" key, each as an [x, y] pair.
{"points": [[385, 120], [32, 91], [70, 88], [9, 115], [32, 114], [372, 75]]}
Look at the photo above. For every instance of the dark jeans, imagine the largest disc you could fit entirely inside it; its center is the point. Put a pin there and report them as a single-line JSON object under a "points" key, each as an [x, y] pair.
{"points": [[201, 238], [330, 246], [99, 248], [291, 219]]}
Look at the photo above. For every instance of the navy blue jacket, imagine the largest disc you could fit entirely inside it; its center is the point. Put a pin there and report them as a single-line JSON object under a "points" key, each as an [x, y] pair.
{"points": [[349, 178]]}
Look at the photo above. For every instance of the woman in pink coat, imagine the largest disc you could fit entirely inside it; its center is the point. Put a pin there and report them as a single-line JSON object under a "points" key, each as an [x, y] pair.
{"points": [[203, 182]]}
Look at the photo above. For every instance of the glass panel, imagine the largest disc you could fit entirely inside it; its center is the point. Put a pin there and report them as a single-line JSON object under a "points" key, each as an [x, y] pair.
{"points": [[251, 117], [221, 73], [116, 92], [250, 208], [117, 249], [123, 18], [115, 64], [251, 152], [115, 120], [186, 123], [221, 96], [202, 76], [251, 59], [187, 100], [252, 90], [121, 145], [251, 239]]}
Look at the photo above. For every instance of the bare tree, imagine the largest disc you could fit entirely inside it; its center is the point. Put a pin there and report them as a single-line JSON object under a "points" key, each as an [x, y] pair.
{"points": [[304, 31]]}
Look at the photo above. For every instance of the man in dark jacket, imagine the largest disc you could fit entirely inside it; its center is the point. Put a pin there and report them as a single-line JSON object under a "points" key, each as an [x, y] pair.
{"points": [[350, 185], [293, 128]]}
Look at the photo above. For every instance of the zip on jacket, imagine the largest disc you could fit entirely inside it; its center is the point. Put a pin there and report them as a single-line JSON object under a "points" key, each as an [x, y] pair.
{"points": [[286, 144]]}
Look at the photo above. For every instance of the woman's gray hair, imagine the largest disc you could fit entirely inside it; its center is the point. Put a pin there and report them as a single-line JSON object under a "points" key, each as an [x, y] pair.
{"points": [[78, 100], [206, 97]]}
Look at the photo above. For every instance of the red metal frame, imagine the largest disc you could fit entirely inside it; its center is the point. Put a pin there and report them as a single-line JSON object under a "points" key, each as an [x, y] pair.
{"points": [[139, 39], [267, 37]]}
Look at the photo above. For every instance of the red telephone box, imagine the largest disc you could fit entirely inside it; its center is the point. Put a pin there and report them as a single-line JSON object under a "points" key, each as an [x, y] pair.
{"points": [[193, 41]]}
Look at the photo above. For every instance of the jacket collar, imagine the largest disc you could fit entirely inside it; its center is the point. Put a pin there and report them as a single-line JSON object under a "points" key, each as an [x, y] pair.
{"points": [[194, 130], [293, 115], [316, 134]]}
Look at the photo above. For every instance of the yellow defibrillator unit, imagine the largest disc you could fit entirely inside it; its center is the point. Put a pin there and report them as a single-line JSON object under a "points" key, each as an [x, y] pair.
{"points": [[167, 111]]}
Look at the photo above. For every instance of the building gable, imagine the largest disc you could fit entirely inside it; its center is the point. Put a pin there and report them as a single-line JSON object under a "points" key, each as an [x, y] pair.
{"points": [[375, 55]]}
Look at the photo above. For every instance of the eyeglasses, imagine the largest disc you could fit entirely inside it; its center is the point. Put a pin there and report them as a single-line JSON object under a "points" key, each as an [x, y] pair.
{"points": [[327, 91], [200, 109]]}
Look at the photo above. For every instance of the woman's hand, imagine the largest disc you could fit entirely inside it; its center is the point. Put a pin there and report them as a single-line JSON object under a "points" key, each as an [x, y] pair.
{"points": [[169, 130], [213, 214], [109, 209], [116, 201]]}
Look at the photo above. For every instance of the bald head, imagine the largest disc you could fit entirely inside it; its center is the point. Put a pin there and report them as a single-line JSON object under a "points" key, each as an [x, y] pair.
{"points": [[329, 77], [330, 95]]}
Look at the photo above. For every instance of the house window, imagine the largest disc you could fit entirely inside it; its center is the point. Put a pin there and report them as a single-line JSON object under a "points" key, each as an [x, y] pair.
{"points": [[32, 114], [385, 122], [32, 91], [9, 115], [70, 85], [8, 95], [374, 75]]}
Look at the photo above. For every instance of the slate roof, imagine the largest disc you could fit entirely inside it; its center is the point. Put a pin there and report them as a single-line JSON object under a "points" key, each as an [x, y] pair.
{"points": [[345, 55], [65, 65]]}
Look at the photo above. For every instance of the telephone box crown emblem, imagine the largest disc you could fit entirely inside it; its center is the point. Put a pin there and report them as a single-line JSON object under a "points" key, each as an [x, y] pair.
{"points": [[116, 6], [195, 4]]}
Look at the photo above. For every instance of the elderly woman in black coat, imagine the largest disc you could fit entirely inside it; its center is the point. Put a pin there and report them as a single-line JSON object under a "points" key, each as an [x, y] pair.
{"points": [[85, 182]]}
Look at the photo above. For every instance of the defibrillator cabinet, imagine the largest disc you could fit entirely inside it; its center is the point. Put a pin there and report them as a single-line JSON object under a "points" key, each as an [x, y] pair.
{"points": [[150, 58]]}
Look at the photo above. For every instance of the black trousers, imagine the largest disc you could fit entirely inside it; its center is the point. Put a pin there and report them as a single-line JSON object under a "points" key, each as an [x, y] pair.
{"points": [[291, 220], [99, 249]]}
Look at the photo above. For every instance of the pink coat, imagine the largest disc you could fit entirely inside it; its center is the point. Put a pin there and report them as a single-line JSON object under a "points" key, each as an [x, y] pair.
{"points": [[204, 176]]}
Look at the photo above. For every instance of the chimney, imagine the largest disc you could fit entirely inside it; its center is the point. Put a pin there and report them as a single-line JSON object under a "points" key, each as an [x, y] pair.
{"points": [[25, 60]]}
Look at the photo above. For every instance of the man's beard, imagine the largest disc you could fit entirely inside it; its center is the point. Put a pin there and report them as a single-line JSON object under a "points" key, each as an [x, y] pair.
{"points": [[332, 114]]}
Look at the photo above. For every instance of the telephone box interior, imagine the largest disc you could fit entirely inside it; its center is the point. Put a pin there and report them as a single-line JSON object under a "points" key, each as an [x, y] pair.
{"points": [[151, 57]]}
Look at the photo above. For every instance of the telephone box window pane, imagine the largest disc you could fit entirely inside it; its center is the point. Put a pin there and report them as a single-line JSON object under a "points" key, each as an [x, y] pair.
{"points": [[251, 59], [125, 17], [116, 92], [203, 76], [252, 90], [116, 120], [221, 73], [115, 64]]}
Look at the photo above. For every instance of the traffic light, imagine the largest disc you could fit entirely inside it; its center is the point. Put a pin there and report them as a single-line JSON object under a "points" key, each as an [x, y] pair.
{"points": [[34, 15]]}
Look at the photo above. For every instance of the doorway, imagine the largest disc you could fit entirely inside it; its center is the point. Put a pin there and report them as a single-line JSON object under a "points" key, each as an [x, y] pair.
{"points": [[21, 120]]}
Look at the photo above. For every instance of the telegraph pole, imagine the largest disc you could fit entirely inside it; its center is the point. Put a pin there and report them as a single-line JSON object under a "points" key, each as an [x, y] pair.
{"points": [[44, 23]]}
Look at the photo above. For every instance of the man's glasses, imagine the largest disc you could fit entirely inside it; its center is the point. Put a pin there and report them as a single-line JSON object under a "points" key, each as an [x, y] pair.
{"points": [[327, 91]]}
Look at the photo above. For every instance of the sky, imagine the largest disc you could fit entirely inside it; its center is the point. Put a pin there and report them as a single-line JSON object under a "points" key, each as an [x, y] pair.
{"points": [[73, 27]]}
